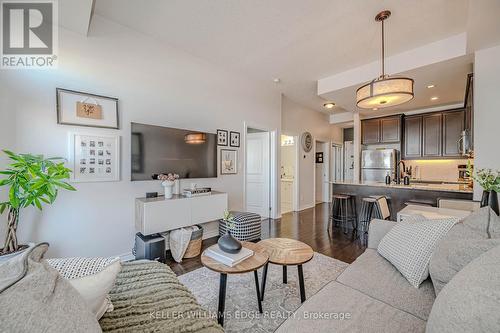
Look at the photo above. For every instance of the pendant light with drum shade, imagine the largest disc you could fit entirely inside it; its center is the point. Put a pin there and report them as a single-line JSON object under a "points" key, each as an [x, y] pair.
{"points": [[195, 138], [384, 91]]}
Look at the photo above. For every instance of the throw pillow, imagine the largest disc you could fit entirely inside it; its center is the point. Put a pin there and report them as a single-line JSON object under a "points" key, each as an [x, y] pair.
{"points": [[451, 256], [409, 246], [93, 278], [72, 268], [484, 221], [467, 240], [35, 298], [470, 301]]}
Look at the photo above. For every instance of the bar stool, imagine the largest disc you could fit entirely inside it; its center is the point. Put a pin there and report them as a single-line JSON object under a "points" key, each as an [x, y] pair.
{"points": [[344, 211], [373, 207]]}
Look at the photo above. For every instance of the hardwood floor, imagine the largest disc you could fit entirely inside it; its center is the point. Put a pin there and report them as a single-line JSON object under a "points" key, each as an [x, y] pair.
{"points": [[308, 226]]}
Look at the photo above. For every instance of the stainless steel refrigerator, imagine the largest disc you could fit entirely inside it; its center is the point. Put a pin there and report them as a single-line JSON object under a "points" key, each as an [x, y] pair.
{"points": [[376, 164]]}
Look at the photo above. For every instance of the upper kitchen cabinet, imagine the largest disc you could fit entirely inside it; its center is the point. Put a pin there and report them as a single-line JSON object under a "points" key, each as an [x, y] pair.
{"points": [[433, 135], [469, 104], [413, 137], [370, 131], [432, 125], [390, 129], [453, 125], [381, 130], [468, 139]]}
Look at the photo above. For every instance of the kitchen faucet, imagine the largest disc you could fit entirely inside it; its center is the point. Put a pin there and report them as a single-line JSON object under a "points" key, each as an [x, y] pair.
{"points": [[398, 171]]}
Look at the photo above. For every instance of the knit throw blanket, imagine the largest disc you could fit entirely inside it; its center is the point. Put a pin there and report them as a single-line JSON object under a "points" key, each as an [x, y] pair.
{"points": [[148, 297]]}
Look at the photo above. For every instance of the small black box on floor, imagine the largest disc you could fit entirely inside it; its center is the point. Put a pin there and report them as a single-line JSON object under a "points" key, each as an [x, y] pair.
{"points": [[151, 247]]}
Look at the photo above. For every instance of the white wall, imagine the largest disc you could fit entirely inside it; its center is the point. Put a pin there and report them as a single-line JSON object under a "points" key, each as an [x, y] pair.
{"points": [[486, 111], [297, 119], [7, 138], [155, 84]]}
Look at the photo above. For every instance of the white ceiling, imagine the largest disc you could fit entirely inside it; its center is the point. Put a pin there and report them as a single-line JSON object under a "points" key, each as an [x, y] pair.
{"points": [[298, 41], [449, 78]]}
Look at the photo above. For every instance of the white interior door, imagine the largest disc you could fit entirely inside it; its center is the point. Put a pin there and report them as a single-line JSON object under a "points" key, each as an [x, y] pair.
{"points": [[258, 174]]}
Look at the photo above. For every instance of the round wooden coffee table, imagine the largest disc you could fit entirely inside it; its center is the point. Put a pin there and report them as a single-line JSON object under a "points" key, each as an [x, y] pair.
{"points": [[252, 264], [286, 252]]}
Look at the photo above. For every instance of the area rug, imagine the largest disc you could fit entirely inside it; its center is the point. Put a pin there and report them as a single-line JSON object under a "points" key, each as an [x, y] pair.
{"points": [[280, 300]]}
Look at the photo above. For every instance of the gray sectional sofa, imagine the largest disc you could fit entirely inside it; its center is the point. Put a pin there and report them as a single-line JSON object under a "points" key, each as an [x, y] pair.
{"points": [[372, 296]]}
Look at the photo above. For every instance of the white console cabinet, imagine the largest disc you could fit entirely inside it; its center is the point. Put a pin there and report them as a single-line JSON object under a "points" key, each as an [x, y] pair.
{"points": [[153, 215]]}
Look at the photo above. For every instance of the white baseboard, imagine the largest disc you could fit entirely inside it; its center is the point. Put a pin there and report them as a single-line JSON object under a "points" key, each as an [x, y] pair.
{"points": [[308, 206]]}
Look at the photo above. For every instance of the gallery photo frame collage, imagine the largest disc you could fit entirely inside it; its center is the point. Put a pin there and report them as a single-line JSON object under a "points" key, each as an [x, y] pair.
{"points": [[92, 157], [228, 157]]}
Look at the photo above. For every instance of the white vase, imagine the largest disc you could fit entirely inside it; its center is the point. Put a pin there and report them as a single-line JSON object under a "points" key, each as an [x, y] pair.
{"points": [[169, 189], [177, 187]]}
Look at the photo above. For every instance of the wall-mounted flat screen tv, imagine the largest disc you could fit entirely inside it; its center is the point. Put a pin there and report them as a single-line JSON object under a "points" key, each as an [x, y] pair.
{"points": [[157, 149]]}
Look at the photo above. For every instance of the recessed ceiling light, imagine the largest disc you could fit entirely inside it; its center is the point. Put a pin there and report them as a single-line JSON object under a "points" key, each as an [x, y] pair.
{"points": [[434, 98], [329, 105], [375, 109], [277, 80], [430, 86]]}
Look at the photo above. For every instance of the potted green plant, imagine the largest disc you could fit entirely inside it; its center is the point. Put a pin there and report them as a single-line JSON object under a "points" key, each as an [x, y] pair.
{"points": [[489, 180], [33, 180], [228, 243]]}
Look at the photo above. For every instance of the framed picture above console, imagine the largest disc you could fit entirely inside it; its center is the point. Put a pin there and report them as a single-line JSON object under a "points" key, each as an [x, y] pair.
{"points": [[222, 137], [234, 139], [228, 162], [84, 109], [94, 158]]}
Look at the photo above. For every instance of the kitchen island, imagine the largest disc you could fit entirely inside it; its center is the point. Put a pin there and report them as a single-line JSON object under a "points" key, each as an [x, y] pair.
{"points": [[398, 194]]}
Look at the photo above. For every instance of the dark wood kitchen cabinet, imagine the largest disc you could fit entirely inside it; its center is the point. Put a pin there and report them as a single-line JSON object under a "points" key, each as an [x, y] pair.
{"points": [[432, 135], [370, 131], [453, 125], [381, 130], [413, 137], [469, 104], [390, 129]]}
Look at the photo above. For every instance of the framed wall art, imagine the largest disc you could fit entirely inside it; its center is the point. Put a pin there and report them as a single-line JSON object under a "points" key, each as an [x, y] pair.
{"points": [[83, 109], [222, 137], [234, 139], [94, 158], [228, 162], [319, 157]]}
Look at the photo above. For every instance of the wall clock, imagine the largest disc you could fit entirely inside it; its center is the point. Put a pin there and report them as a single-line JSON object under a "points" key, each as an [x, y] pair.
{"points": [[306, 141]]}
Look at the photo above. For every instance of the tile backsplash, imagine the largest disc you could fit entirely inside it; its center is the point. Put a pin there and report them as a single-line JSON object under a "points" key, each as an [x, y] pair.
{"points": [[445, 170]]}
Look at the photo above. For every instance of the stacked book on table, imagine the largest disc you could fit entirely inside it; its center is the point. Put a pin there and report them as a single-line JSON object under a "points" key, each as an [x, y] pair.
{"points": [[196, 192], [228, 259]]}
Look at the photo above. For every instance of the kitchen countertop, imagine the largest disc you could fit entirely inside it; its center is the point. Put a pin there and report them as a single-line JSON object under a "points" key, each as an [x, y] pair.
{"points": [[432, 213], [415, 186]]}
